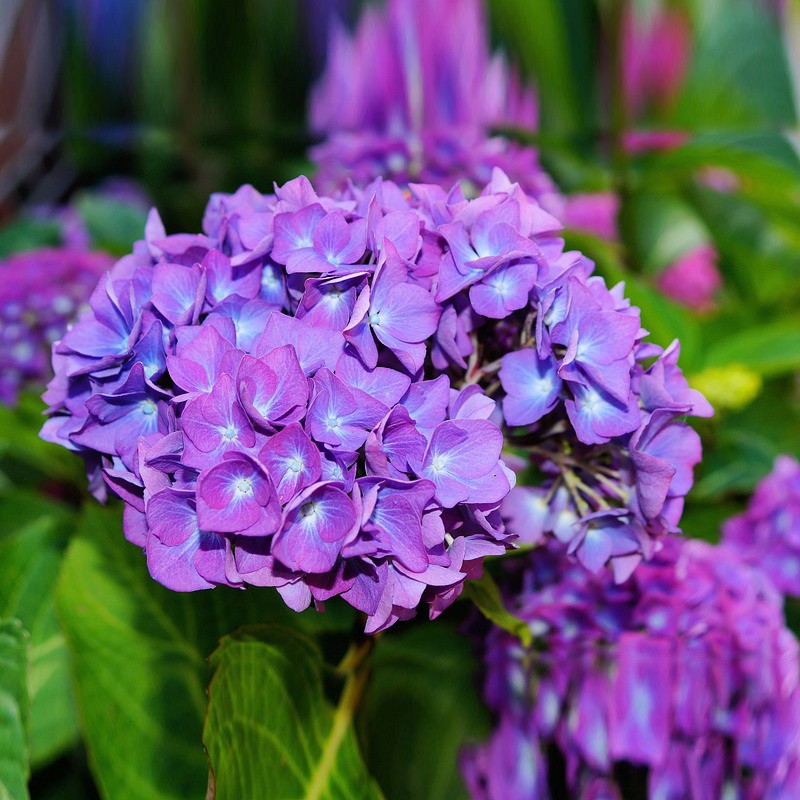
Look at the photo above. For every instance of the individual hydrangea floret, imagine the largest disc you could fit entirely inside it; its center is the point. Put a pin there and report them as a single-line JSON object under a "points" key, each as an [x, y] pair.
{"points": [[40, 292], [316, 388], [681, 683], [767, 534]]}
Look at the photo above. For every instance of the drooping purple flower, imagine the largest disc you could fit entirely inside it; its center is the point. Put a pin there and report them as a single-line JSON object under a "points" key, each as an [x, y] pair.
{"points": [[767, 533], [686, 672]]}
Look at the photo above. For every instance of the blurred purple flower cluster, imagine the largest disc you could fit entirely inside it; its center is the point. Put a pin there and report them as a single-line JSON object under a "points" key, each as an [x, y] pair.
{"points": [[40, 292], [687, 672], [767, 534], [304, 395], [425, 107]]}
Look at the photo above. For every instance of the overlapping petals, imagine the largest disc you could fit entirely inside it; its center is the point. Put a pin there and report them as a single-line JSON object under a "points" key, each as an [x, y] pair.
{"points": [[324, 387]]}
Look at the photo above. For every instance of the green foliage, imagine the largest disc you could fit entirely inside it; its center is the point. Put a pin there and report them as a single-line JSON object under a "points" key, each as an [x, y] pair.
{"points": [[30, 558], [537, 34], [422, 705], [113, 225], [27, 460], [771, 349], [270, 731], [28, 234], [139, 659], [13, 710]]}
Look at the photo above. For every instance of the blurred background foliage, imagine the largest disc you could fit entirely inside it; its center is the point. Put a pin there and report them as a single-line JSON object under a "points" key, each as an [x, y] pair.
{"points": [[194, 96]]}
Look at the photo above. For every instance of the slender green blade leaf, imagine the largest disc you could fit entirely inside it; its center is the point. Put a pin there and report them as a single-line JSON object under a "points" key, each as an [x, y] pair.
{"points": [[139, 660], [486, 595], [270, 731], [422, 705], [770, 349], [13, 710]]}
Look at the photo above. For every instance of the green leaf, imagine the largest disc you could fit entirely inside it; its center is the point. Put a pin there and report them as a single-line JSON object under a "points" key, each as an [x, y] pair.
{"points": [[486, 595], [271, 732], [771, 349], [739, 74], [30, 559], [25, 458], [113, 225], [422, 704], [139, 660], [28, 234], [13, 710], [537, 34]]}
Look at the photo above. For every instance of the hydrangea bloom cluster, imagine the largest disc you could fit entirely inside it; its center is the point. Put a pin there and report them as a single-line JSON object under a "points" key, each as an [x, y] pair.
{"points": [[767, 534], [311, 394], [683, 680], [40, 292], [424, 109]]}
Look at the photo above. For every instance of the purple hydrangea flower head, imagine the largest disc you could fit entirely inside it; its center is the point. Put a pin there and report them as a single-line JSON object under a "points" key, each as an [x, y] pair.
{"points": [[425, 109], [681, 683], [767, 534], [343, 431], [41, 291]]}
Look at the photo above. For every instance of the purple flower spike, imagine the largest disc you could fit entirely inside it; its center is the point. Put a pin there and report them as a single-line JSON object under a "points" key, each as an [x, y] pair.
{"points": [[315, 524], [237, 496]]}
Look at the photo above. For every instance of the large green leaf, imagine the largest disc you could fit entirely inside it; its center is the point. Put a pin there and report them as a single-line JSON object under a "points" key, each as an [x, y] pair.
{"points": [[13, 710], [423, 703], [271, 733], [139, 660], [25, 459], [30, 559], [770, 349]]}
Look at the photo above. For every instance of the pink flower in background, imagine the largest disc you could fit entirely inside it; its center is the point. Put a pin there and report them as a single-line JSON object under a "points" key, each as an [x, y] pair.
{"points": [[595, 212], [694, 279], [656, 50]]}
